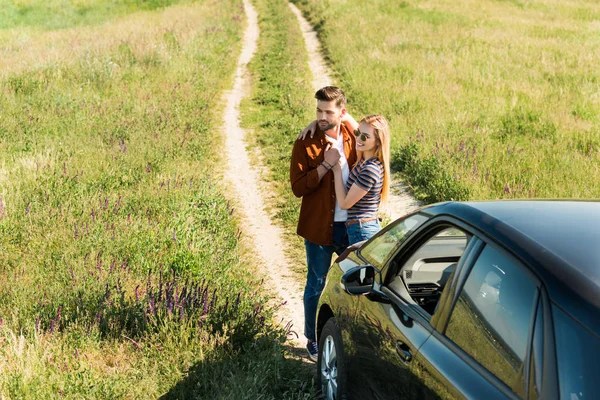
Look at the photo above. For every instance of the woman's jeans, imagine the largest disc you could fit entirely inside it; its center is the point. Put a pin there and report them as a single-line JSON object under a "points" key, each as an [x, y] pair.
{"points": [[362, 231], [318, 259]]}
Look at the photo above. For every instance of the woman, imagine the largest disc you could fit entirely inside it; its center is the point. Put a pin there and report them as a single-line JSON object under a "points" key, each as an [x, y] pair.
{"points": [[369, 181]]}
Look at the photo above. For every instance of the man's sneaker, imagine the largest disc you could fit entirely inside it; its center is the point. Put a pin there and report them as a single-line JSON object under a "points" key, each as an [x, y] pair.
{"points": [[313, 350]]}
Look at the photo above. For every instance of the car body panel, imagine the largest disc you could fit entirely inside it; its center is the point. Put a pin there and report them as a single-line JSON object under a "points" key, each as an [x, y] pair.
{"points": [[447, 375]]}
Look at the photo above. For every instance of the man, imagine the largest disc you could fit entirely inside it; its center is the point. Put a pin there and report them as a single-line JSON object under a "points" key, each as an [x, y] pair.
{"points": [[322, 221]]}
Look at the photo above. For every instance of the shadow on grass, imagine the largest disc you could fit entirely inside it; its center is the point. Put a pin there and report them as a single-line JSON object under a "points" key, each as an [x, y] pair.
{"points": [[266, 369]]}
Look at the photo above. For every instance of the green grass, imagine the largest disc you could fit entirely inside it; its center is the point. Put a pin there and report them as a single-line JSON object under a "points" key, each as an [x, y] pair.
{"points": [[61, 14], [486, 99], [121, 270]]}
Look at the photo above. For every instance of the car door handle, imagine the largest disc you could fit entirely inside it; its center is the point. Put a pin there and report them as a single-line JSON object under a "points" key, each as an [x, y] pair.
{"points": [[403, 351]]}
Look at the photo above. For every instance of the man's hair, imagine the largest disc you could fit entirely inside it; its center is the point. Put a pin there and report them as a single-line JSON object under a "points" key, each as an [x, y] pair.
{"points": [[331, 93]]}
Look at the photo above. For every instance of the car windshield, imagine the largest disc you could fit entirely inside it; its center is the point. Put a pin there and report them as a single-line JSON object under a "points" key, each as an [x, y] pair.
{"points": [[577, 349], [378, 249]]}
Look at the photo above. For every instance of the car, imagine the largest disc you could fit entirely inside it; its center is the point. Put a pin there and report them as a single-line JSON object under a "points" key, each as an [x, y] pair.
{"points": [[476, 300]]}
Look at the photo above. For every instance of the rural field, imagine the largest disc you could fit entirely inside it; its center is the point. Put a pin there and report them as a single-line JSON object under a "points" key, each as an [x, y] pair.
{"points": [[487, 99], [121, 269], [124, 270]]}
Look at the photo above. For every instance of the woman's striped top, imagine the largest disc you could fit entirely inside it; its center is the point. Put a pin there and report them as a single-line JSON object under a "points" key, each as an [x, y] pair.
{"points": [[367, 175]]}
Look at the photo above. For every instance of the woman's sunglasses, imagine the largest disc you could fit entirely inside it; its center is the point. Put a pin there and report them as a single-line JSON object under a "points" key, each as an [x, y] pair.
{"points": [[361, 135]]}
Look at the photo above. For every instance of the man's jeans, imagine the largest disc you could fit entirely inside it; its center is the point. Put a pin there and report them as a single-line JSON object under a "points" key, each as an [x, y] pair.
{"points": [[318, 259]]}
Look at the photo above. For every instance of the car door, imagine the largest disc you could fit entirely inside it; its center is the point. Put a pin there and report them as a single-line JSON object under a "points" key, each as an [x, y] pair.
{"points": [[481, 344], [386, 335], [416, 279], [389, 329]]}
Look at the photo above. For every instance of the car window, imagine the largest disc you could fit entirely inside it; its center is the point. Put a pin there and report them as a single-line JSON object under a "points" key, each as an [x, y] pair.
{"points": [[424, 273], [377, 251], [577, 352], [493, 316]]}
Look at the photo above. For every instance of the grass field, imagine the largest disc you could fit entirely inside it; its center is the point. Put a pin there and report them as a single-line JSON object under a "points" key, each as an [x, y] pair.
{"points": [[487, 99], [121, 269]]}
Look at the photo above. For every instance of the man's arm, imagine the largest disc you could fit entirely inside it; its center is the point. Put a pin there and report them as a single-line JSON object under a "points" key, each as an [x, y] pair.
{"points": [[303, 179]]}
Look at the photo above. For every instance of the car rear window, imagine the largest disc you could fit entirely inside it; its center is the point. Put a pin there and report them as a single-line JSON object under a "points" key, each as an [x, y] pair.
{"points": [[577, 351]]}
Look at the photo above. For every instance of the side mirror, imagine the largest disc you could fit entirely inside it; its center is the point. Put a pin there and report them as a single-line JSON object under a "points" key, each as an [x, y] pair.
{"points": [[359, 280]]}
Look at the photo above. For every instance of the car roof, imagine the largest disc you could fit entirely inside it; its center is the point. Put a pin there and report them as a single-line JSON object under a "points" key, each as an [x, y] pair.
{"points": [[559, 239]]}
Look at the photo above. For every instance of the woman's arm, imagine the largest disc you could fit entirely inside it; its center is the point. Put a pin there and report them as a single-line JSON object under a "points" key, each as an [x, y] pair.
{"points": [[346, 200], [350, 122], [310, 128]]}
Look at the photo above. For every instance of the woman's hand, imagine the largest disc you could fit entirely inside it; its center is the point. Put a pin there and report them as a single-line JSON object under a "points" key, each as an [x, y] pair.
{"points": [[337, 167], [311, 128], [332, 155]]}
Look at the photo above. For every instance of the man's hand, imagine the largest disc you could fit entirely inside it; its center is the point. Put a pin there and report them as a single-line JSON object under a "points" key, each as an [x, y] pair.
{"points": [[332, 155], [311, 128]]}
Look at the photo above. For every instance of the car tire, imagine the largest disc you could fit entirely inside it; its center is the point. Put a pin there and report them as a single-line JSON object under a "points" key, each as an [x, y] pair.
{"points": [[331, 364]]}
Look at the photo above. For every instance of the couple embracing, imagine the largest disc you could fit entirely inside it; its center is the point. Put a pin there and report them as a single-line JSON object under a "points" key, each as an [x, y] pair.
{"points": [[340, 169]]}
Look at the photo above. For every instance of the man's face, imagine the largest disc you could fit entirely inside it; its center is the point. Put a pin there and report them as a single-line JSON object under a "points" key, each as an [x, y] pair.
{"points": [[329, 116]]}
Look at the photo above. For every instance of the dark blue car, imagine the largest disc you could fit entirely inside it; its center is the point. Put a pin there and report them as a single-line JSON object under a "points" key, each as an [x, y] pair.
{"points": [[477, 300]]}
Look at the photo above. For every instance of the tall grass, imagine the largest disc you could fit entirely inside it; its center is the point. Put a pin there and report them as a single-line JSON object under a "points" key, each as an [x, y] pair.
{"points": [[121, 271], [487, 99]]}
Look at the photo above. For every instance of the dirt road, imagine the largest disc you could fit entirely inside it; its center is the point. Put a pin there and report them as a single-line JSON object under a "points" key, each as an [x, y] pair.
{"points": [[250, 191]]}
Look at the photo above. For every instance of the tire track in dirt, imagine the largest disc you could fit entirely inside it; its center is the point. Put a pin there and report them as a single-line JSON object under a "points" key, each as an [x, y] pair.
{"points": [[400, 201], [258, 230]]}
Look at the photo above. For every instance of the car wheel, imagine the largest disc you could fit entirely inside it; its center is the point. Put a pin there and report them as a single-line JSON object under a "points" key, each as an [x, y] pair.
{"points": [[331, 366]]}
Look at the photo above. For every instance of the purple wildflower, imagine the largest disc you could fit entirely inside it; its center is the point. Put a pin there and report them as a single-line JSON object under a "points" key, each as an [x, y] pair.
{"points": [[237, 301], [205, 304], [152, 304], [213, 300]]}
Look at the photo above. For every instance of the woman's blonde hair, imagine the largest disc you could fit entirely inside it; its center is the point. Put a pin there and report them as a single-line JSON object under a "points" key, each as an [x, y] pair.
{"points": [[382, 134]]}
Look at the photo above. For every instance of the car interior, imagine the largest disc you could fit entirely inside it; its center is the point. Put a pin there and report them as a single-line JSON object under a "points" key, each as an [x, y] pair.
{"points": [[422, 277]]}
